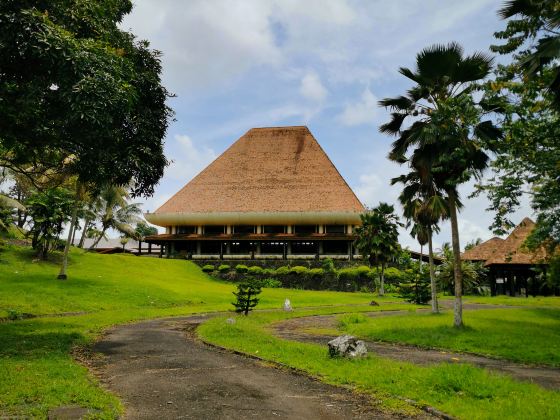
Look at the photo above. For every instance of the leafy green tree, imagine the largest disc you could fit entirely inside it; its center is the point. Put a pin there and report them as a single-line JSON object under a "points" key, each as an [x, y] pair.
{"points": [[80, 96], [528, 91], [378, 239], [474, 274], [533, 32], [447, 128], [49, 211], [246, 297]]}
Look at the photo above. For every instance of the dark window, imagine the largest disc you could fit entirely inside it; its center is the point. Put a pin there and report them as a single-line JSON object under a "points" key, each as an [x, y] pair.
{"points": [[307, 248], [242, 247], [186, 229], [272, 248], [305, 229], [186, 246], [210, 247], [335, 229], [335, 247], [214, 230], [274, 229], [244, 229]]}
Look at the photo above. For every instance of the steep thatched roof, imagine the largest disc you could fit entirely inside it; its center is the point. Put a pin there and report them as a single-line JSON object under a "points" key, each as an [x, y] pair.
{"points": [[483, 251], [508, 251], [278, 169]]}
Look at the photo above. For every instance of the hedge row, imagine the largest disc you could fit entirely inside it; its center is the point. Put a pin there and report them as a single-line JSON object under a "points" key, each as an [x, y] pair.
{"points": [[360, 278]]}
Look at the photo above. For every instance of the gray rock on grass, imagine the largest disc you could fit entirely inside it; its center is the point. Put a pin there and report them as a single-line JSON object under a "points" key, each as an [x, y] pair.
{"points": [[347, 346]]}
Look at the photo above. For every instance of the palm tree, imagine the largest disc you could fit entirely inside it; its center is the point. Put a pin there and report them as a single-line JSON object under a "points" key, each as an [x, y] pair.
{"points": [[377, 238], [424, 206], [446, 130], [116, 213]]}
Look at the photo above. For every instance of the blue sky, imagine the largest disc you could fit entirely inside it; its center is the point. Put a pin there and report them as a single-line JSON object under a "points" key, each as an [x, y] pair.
{"points": [[240, 64]]}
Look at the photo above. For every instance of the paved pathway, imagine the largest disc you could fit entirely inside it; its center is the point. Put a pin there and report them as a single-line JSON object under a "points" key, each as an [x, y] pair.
{"points": [[161, 371]]}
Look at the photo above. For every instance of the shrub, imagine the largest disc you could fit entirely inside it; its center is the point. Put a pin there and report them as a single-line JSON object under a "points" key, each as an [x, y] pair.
{"points": [[269, 272], [316, 273], [241, 268], [208, 268], [394, 275], [224, 268], [255, 270], [298, 270], [328, 265], [282, 271], [270, 283]]}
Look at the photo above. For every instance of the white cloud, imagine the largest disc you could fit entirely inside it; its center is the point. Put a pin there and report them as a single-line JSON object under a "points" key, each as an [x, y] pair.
{"points": [[188, 159], [369, 189], [362, 112], [311, 87]]}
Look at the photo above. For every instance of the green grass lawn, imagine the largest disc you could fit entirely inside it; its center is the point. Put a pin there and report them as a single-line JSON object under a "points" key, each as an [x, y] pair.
{"points": [[528, 335], [460, 390], [37, 371]]}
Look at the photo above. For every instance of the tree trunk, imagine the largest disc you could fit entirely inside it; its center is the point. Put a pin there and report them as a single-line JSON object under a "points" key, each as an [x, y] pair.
{"points": [[421, 256], [382, 280], [435, 308], [458, 274], [62, 275], [93, 245], [74, 233], [83, 237]]}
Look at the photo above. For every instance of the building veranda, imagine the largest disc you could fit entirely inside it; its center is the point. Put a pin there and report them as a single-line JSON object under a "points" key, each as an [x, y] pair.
{"points": [[274, 194]]}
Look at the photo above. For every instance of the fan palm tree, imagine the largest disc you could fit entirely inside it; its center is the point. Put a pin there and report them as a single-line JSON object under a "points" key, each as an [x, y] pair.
{"points": [[377, 238], [446, 129]]}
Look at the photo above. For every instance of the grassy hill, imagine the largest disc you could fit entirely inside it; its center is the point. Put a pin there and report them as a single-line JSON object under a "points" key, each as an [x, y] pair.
{"points": [[37, 369]]}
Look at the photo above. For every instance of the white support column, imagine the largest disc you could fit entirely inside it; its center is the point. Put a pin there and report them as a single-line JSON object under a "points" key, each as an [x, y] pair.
{"points": [[289, 229], [199, 231], [229, 229], [259, 229], [321, 229]]}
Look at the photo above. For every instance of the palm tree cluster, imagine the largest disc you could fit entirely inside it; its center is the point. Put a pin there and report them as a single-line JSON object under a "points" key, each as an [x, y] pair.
{"points": [[378, 239], [440, 130]]}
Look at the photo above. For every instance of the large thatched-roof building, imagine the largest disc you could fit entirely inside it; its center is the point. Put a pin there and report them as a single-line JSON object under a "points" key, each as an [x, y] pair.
{"points": [[274, 193], [512, 267]]}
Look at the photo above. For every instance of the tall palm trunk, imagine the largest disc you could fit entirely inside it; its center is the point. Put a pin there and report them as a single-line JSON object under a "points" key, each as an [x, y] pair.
{"points": [[83, 237], [98, 239], [421, 256], [62, 275], [433, 285], [458, 274], [382, 280]]}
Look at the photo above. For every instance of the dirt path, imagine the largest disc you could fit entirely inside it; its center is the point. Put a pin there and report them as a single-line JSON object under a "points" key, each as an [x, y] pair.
{"points": [[294, 329], [161, 371]]}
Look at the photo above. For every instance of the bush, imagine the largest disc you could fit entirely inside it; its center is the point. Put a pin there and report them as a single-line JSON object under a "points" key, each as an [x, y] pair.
{"points": [[298, 270], [241, 268], [208, 268], [282, 271], [394, 275], [316, 273], [255, 270], [224, 268], [270, 283], [350, 319], [269, 272], [328, 265]]}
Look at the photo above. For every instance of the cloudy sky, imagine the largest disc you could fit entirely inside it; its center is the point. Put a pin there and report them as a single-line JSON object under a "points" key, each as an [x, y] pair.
{"points": [[240, 64]]}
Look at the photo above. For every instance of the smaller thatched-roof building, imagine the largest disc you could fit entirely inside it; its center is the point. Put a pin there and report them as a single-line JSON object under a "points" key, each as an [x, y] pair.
{"points": [[512, 267]]}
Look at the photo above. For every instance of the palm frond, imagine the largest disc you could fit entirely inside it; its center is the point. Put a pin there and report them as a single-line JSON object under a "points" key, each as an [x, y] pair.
{"points": [[393, 127], [400, 103], [8, 202]]}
